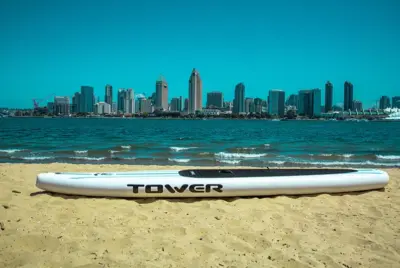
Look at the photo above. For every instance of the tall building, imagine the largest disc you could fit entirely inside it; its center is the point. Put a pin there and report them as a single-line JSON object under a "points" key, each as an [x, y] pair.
{"points": [[328, 96], [161, 94], [61, 105], [249, 106], [384, 102], [76, 102], [108, 94], [309, 102], [186, 105], [348, 96], [357, 105], [239, 101], [276, 102], [195, 92], [102, 108], [258, 105], [215, 99], [126, 101], [176, 104], [396, 102], [292, 100], [87, 99]]}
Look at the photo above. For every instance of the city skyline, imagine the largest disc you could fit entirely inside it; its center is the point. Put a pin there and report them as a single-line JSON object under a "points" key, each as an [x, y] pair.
{"points": [[287, 45]]}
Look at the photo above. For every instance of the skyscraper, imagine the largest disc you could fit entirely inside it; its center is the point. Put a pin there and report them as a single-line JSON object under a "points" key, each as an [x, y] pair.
{"points": [[239, 101], [309, 102], [76, 100], [276, 102], [328, 96], [215, 99], [396, 102], [249, 106], [258, 105], [108, 94], [292, 100], [87, 99], [161, 94], [176, 104], [384, 102], [348, 96], [61, 105], [126, 101], [195, 92]]}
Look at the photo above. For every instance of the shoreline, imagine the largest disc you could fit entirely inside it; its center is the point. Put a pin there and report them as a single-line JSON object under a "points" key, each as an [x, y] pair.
{"points": [[51, 230]]}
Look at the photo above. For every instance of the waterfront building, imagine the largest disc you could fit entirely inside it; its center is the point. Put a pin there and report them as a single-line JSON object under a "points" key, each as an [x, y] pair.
{"points": [[276, 102], [195, 92], [239, 100]]}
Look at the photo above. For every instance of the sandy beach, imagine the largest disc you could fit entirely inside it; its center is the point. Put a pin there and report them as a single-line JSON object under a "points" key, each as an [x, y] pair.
{"points": [[48, 230]]}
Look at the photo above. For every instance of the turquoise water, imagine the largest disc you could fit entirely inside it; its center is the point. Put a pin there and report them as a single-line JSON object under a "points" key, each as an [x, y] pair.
{"points": [[200, 142]]}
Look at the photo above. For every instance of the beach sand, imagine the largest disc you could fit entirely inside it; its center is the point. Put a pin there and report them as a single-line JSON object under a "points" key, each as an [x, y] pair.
{"points": [[48, 230]]}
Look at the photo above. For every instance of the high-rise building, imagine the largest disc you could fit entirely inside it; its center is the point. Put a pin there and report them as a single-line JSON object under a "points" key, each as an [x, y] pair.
{"points": [[76, 102], [292, 100], [176, 104], [108, 97], [384, 102], [87, 99], [61, 105], [239, 101], [357, 105], [195, 92], [276, 102], [102, 108], [328, 96], [161, 94], [186, 105], [215, 99], [309, 102], [258, 105], [396, 102], [126, 101], [249, 106], [348, 96]]}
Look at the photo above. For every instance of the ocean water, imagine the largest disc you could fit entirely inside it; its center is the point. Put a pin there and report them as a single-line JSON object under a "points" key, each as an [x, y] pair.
{"points": [[200, 142]]}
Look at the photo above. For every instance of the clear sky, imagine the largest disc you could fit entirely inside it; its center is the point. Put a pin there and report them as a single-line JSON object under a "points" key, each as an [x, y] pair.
{"points": [[55, 47]]}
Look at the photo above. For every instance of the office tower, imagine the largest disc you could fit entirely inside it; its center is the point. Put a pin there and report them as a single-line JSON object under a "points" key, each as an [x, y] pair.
{"points": [[186, 105], [161, 94], [276, 102], [292, 100], [87, 99], [108, 95], [215, 99], [102, 108], [328, 96], [249, 106], [180, 104], [176, 105], [126, 101], [61, 105], [396, 102], [238, 101], [357, 105], [348, 96], [384, 102], [114, 107], [76, 102], [258, 105], [195, 92], [309, 102]]}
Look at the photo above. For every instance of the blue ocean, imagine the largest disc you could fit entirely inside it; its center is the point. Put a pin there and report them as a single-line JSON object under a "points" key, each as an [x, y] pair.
{"points": [[210, 142]]}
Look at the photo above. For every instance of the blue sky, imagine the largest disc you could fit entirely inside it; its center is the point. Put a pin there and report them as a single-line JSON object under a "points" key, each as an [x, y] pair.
{"points": [[55, 47]]}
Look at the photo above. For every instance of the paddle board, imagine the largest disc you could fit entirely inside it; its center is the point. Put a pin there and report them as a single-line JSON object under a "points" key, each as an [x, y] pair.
{"points": [[212, 182]]}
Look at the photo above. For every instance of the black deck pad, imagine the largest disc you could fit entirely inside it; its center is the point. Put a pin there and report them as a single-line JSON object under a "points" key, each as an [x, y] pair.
{"points": [[264, 172]]}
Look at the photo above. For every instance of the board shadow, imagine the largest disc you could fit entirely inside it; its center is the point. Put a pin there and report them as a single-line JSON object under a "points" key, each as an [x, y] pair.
{"points": [[149, 200]]}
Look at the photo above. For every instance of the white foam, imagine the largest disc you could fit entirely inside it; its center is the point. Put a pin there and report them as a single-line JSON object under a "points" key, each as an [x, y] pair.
{"points": [[347, 155], [179, 160], [233, 162], [81, 152], [125, 146], [113, 152], [33, 158], [388, 157], [339, 163], [178, 149], [10, 151], [238, 155], [88, 158]]}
